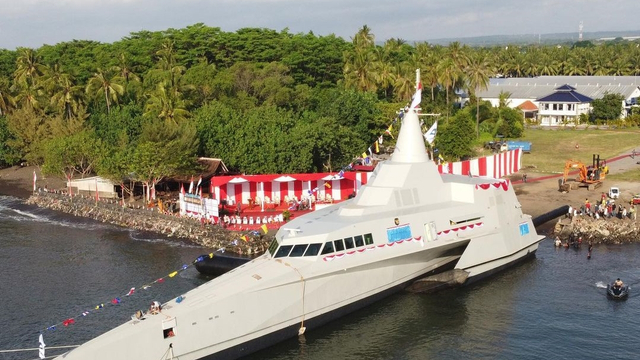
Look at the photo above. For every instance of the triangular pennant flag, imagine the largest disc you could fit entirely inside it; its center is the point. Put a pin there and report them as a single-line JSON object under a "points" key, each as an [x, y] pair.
{"points": [[430, 135], [377, 146], [380, 139], [388, 131], [264, 228], [417, 97], [131, 291], [244, 238], [173, 274], [327, 185]]}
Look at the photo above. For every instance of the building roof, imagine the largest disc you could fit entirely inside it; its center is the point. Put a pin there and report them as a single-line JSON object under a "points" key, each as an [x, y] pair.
{"points": [[594, 87], [528, 106], [565, 94]]}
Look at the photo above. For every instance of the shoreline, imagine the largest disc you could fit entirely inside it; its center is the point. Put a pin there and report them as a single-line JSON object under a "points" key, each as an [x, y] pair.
{"points": [[537, 196]]}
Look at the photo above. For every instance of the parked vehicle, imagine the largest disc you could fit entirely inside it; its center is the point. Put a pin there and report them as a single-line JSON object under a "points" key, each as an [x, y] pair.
{"points": [[614, 192]]}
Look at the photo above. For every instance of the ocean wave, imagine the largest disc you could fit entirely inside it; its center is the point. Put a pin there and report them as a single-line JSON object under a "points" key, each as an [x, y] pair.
{"points": [[153, 238]]}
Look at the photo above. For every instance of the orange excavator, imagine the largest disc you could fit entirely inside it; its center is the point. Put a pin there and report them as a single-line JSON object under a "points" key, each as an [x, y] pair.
{"points": [[590, 177]]}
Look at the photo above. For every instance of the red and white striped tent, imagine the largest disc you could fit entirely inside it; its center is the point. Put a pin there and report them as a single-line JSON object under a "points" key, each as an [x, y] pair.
{"points": [[495, 166], [241, 188]]}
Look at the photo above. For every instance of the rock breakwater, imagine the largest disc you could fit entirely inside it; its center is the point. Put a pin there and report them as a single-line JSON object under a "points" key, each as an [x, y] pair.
{"points": [[597, 231], [110, 211]]}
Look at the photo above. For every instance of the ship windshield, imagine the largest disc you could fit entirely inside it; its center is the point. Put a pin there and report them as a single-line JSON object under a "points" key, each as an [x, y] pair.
{"points": [[313, 250], [298, 250], [283, 251]]}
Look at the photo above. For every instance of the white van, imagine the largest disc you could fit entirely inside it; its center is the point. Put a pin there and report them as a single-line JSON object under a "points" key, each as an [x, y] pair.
{"points": [[614, 192]]}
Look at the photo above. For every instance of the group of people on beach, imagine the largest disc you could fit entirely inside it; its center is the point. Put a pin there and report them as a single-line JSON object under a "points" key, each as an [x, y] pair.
{"points": [[604, 208]]}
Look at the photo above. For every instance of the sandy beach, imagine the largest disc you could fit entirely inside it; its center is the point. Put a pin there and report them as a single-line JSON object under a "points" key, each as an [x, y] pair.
{"points": [[537, 196]]}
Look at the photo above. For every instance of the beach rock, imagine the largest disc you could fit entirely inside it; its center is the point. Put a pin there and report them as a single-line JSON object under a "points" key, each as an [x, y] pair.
{"points": [[597, 231], [209, 236]]}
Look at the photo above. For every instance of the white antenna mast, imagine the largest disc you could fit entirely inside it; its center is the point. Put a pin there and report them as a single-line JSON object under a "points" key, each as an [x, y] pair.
{"points": [[580, 31]]}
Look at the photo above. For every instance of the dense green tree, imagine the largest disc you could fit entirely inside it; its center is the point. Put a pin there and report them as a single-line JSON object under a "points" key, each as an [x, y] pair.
{"points": [[28, 134], [607, 108], [164, 149], [72, 155], [8, 156], [455, 136]]}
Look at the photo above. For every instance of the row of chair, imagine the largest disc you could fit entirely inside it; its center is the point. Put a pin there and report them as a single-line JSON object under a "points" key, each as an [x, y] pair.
{"points": [[318, 197]]}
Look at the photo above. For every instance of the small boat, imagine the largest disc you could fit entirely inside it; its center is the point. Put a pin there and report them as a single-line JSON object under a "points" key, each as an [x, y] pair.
{"points": [[617, 292]]}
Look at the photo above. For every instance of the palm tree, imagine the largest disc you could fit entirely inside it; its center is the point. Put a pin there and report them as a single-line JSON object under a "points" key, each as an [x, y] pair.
{"points": [[448, 75], [364, 38], [358, 70], [477, 73], [29, 96], [68, 96], [6, 100], [28, 67], [106, 83], [166, 105]]}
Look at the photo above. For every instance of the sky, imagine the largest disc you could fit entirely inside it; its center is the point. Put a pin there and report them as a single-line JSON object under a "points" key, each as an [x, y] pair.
{"points": [[33, 23]]}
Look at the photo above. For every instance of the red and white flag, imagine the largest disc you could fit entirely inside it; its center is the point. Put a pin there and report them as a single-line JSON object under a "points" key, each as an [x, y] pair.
{"points": [[191, 186], [417, 98], [131, 291], [35, 177], [182, 189]]}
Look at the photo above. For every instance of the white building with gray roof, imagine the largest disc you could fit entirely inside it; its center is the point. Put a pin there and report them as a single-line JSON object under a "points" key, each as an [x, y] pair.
{"points": [[522, 90]]}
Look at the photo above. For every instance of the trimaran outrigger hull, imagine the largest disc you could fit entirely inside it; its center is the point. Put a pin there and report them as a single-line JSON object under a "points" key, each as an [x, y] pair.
{"points": [[408, 222]]}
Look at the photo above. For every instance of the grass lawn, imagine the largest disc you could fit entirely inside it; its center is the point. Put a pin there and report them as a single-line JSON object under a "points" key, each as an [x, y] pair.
{"points": [[551, 149]]}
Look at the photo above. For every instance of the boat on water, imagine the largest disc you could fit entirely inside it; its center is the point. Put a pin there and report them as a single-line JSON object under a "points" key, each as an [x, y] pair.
{"points": [[617, 292], [408, 227]]}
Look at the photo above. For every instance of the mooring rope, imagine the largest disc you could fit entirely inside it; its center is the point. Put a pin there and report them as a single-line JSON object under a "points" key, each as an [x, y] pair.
{"points": [[34, 349]]}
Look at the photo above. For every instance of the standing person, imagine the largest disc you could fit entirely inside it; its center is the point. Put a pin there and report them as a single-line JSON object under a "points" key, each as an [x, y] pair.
{"points": [[524, 177]]}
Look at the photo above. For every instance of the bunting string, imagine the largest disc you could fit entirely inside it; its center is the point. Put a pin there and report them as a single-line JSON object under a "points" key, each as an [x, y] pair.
{"points": [[118, 299]]}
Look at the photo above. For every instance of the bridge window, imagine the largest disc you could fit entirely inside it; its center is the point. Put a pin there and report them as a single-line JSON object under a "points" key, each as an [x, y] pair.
{"points": [[348, 242], [359, 240], [283, 251], [328, 248], [338, 244], [298, 250], [313, 250]]}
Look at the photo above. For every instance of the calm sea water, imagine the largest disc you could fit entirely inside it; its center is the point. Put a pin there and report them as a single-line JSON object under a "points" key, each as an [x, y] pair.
{"points": [[54, 267]]}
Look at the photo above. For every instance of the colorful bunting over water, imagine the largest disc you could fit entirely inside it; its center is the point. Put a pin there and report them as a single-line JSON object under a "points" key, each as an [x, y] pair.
{"points": [[117, 300]]}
